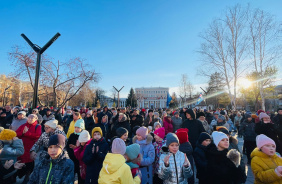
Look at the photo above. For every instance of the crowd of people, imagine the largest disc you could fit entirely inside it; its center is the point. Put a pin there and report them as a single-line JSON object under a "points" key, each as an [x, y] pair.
{"points": [[131, 145]]}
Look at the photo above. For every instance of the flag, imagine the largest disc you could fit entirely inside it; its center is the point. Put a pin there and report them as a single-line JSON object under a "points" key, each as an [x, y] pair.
{"points": [[200, 99], [168, 99]]}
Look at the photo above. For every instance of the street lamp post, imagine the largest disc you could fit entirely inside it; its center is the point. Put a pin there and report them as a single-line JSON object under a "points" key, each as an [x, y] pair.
{"points": [[39, 52], [118, 93]]}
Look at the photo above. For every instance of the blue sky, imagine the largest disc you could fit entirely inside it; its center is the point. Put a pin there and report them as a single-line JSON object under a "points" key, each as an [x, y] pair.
{"points": [[133, 43]]}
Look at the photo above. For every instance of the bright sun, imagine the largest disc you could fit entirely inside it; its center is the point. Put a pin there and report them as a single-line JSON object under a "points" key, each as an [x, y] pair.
{"points": [[245, 83]]}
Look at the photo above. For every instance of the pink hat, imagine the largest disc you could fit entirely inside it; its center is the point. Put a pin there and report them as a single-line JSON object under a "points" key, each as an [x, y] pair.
{"points": [[142, 131], [263, 115], [263, 140], [160, 132]]}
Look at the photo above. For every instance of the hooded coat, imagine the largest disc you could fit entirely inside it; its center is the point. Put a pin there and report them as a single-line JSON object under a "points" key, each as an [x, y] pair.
{"points": [[201, 160], [177, 123], [122, 123], [116, 171], [263, 167], [89, 123], [168, 125], [48, 170], [11, 150]]}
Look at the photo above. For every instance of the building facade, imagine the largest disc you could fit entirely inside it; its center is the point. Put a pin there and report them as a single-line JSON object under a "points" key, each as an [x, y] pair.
{"points": [[153, 97]]}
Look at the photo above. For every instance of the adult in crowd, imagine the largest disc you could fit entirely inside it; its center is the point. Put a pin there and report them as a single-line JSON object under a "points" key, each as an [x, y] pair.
{"points": [[40, 118], [206, 125], [58, 115], [103, 113], [19, 120], [136, 119], [149, 120], [121, 122], [89, 121], [48, 116], [176, 121]]}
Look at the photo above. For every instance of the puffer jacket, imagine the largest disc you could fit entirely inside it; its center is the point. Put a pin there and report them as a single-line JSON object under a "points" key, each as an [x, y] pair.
{"points": [[16, 123], [263, 167], [58, 171], [148, 154], [12, 150], [116, 171], [177, 123], [175, 173], [78, 153], [247, 129], [44, 140]]}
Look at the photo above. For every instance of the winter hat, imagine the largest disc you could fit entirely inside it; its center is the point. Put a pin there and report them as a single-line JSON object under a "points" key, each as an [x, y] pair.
{"points": [[151, 110], [182, 135], [222, 129], [263, 115], [218, 136], [118, 146], [171, 138], [1, 145], [221, 117], [156, 114], [132, 151], [120, 131], [279, 109], [254, 116], [89, 112], [1, 129], [97, 129], [143, 110], [80, 123], [7, 135], [248, 116], [22, 112], [160, 132], [58, 140], [191, 112], [262, 140], [260, 111], [84, 136], [203, 136], [175, 113], [156, 124], [52, 123], [142, 131], [222, 112], [201, 114], [216, 113]]}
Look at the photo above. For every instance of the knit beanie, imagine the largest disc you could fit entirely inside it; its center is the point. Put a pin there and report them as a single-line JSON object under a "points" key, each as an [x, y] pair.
{"points": [[171, 138], [218, 136], [160, 132], [248, 116], [52, 123], [84, 136], [254, 116], [22, 112], [80, 123], [221, 117], [156, 124], [151, 110], [120, 131], [1, 145], [132, 151], [222, 129], [97, 129], [203, 136], [263, 115], [58, 140], [262, 140], [156, 114], [118, 146], [142, 131], [7, 135], [201, 114], [182, 135]]}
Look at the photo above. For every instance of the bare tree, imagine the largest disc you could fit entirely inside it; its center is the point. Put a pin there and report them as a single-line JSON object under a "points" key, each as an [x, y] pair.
{"points": [[185, 88]]}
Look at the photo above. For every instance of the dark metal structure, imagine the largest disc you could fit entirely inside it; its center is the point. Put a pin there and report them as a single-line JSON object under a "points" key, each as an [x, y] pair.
{"points": [[118, 93]]}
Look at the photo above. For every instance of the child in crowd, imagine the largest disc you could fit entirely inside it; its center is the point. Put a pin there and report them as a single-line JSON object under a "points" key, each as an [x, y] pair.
{"points": [[82, 142], [157, 125], [133, 158], [94, 155], [148, 154], [200, 157], [266, 165], [158, 144], [122, 133], [115, 170], [174, 166], [186, 147], [71, 145], [54, 166]]}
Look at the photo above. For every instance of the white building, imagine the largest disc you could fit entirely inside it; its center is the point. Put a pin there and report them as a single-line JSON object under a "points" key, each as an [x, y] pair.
{"points": [[153, 97]]}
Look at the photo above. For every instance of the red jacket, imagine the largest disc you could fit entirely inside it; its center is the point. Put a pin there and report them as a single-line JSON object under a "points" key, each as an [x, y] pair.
{"points": [[78, 153], [168, 125], [29, 138]]}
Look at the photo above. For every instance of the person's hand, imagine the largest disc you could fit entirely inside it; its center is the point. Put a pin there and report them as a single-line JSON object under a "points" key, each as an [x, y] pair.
{"points": [[139, 174], [25, 129], [8, 164], [15, 138], [18, 165], [93, 149], [186, 162], [166, 160], [77, 143], [279, 169], [72, 146], [33, 155], [97, 149]]}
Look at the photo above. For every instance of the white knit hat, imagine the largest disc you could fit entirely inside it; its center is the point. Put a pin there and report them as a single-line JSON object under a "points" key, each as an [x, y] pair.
{"points": [[218, 136], [52, 123], [84, 136]]}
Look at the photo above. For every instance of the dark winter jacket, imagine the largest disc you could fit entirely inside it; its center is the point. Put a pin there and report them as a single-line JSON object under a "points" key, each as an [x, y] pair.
{"points": [[72, 140], [247, 129], [188, 150], [94, 161], [124, 123], [59, 117], [101, 114], [221, 170], [4, 172], [137, 122], [47, 170], [147, 121], [66, 122], [277, 120], [105, 129], [89, 123], [201, 160]]}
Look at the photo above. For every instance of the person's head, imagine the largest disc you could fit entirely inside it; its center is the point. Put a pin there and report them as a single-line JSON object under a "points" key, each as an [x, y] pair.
{"points": [[150, 112], [48, 112], [50, 126], [56, 145], [182, 135], [105, 119], [279, 111], [172, 143], [76, 116], [122, 133], [190, 114], [21, 115], [159, 134], [83, 114], [204, 139], [8, 108], [248, 117], [60, 127], [176, 114], [157, 125], [35, 111], [105, 109], [32, 118], [264, 117], [132, 152], [216, 114], [238, 114], [202, 116], [168, 117], [121, 117], [7, 135], [220, 140], [135, 112], [156, 115], [79, 126], [266, 144], [89, 114], [123, 110], [221, 118], [97, 133], [142, 133], [84, 137], [118, 146]]}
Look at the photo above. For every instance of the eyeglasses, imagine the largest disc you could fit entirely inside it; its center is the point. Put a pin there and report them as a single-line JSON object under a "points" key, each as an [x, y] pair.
{"points": [[46, 128]]}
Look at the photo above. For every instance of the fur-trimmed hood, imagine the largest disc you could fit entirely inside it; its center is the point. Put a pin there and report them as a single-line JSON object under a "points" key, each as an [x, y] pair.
{"points": [[233, 140], [148, 139]]}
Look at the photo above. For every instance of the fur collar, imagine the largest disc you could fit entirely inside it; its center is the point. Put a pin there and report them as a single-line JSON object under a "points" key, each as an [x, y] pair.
{"points": [[148, 139], [233, 140]]}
